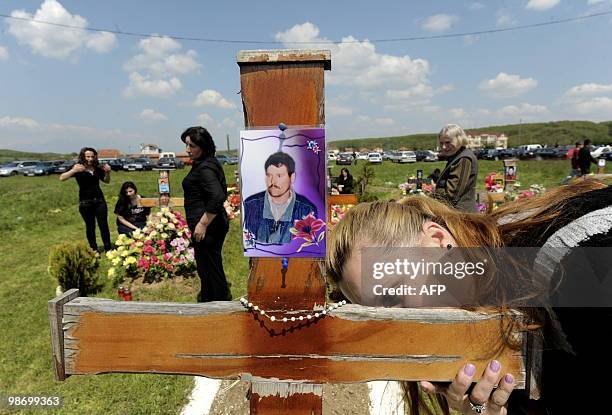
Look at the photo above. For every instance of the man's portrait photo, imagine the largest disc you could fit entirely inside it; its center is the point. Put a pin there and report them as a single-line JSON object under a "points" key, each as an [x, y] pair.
{"points": [[283, 191]]}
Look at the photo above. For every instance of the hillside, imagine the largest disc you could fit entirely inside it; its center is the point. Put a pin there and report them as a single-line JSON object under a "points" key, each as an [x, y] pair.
{"points": [[550, 133], [11, 155]]}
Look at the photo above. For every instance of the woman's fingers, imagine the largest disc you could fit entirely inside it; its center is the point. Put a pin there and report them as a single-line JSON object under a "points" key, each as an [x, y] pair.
{"points": [[499, 398], [482, 391], [459, 386]]}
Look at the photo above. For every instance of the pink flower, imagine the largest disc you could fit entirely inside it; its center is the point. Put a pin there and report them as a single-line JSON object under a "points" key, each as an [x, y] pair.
{"points": [[154, 260], [148, 249], [307, 228], [148, 242]]}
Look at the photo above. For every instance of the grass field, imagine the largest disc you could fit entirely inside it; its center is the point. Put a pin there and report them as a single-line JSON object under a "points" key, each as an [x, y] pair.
{"points": [[38, 212]]}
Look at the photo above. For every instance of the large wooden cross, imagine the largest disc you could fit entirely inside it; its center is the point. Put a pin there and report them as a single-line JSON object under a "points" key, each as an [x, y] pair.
{"points": [[287, 363]]}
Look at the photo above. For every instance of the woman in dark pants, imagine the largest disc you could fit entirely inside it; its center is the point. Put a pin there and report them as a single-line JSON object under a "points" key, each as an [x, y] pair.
{"points": [[92, 205], [205, 192]]}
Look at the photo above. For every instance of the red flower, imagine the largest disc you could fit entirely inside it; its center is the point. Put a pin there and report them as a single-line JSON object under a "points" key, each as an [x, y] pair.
{"points": [[307, 228]]}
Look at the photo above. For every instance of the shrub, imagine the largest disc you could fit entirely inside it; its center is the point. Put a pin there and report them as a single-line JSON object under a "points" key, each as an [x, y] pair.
{"points": [[74, 265]]}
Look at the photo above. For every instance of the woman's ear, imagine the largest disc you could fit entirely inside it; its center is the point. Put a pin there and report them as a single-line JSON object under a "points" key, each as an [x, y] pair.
{"points": [[436, 236]]}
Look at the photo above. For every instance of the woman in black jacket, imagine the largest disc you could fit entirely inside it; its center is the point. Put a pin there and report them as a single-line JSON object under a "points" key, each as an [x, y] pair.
{"points": [[205, 192], [345, 182]]}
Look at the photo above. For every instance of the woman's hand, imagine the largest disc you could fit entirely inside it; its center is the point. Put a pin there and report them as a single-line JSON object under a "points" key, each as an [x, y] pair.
{"points": [[78, 168], [106, 168], [482, 398], [199, 232]]}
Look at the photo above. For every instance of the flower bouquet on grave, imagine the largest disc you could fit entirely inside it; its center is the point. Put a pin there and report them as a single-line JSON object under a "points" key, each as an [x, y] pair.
{"points": [[161, 250]]}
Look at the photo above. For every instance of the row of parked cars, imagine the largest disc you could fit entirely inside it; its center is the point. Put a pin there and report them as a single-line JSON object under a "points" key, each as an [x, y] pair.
{"points": [[537, 152], [348, 158], [43, 168]]}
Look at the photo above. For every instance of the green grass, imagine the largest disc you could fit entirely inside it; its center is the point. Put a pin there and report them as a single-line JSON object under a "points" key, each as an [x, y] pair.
{"points": [[38, 212]]}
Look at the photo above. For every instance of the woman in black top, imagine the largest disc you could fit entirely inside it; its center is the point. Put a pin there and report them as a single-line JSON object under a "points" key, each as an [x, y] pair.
{"points": [[92, 205], [205, 192], [345, 182], [130, 214]]}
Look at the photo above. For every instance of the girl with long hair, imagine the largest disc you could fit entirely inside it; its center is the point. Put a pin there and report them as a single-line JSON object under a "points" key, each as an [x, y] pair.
{"points": [[92, 205], [557, 224], [131, 215]]}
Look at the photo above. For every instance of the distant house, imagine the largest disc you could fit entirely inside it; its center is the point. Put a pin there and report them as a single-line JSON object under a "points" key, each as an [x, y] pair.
{"points": [[108, 153], [150, 149], [378, 150], [487, 140]]}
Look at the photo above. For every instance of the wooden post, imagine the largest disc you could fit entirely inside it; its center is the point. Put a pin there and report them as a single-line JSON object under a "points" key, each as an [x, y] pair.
{"points": [[55, 309], [284, 86]]}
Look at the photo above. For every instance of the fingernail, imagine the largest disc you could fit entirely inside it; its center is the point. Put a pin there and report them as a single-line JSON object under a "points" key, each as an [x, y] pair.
{"points": [[508, 379], [469, 369], [495, 366]]}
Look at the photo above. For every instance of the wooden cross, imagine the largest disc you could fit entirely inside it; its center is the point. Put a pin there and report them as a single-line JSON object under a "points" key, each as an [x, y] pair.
{"points": [[287, 363]]}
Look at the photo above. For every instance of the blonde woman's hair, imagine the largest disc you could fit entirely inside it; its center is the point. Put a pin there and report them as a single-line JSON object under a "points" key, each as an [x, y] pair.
{"points": [[455, 133]]}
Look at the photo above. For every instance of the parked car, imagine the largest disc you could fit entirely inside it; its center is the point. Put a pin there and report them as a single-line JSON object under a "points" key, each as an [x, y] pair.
{"points": [[115, 164], [43, 168], [331, 156], [16, 167], [64, 167], [506, 153], [166, 163], [491, 154], [363, 156], [179, 163], [223, 159], [545, 153], [344, 158], [430, 156], [375, 158], [387, 155], [597, 152], [403, 157], [138, 164]]}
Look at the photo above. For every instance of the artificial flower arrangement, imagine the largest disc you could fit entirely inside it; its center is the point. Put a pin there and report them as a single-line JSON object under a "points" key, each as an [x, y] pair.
{"points": [[232, 204], [338, 212], [534, 190], [410, 187], [159, 251]]}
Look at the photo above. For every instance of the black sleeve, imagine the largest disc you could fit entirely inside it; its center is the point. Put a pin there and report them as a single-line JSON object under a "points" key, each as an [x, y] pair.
{"points": [[212, 189], [119, 209]]}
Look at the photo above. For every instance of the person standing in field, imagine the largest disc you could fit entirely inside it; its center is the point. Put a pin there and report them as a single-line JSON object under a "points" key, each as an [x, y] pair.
{"points": [[92, 205]]}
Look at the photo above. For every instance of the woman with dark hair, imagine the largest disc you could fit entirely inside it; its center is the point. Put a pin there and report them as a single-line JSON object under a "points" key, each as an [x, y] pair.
{"points": [[205, 192], [563, 227], [345, 182], [92, 205], [131, 215]]}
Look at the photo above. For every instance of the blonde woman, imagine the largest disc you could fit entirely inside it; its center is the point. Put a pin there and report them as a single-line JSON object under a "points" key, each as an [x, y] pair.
{"points": [[457, 182], [573, 220]]}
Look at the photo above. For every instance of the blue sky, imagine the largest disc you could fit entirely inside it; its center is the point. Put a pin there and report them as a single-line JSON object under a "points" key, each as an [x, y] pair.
{"points": [[66, 88]]}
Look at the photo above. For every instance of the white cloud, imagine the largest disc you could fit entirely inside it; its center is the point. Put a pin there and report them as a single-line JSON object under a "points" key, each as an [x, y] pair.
{"points": [[475, 6], [507, 85], [598, 107], [210, 97], [439, 22], [384, 121], [204, 119], [504, 18], [458, 113], [524, 109], [153, 72], [469, 40], [18, 122], [52, 42], [418, 91], [151, 115], [589, 89], [357, 63], [159, 59], [338, 111], [4, 55], [541, 4], [592, 2], [159, 88], [229, 123]]}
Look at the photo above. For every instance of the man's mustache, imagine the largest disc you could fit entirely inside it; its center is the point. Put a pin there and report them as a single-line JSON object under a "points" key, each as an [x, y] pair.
{"points": [[273, 186]]}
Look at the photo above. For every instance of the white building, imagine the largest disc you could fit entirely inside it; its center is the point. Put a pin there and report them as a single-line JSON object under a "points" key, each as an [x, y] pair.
{"points": [[487, 140]]}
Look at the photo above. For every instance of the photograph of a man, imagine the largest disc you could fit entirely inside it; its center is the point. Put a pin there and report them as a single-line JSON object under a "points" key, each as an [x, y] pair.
{"points": [[269, 215]]}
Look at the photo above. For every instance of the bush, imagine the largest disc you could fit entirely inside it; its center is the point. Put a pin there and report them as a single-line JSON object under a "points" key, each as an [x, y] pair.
{"points": [[74, 265]]}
